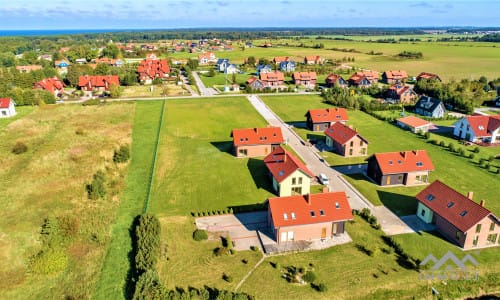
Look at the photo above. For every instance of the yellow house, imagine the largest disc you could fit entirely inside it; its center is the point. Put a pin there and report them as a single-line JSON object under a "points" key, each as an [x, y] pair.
{"points": [[289, 175]]}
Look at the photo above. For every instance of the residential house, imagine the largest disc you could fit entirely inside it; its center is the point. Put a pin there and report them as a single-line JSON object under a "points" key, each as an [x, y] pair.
{"points": [[232, 69], [253, 142], [109, 61], [222, 64], [428, 76], [346, 141], [478, 129], [335, 80], [457, 217], [61, 66], [7, 108], [308, 217], [273, 79], [372, 76], [401, 94], [207, 58], [322, 119], [81, 61], [53, 85], [287, 66], [394, 77], [279, 59], [255, 83], [289, 175], [430, 107], [98, 83], [405, 167], [47, 57], [307, 79], [150, 69], [264, 69], [359, 80], [27, 69], [414, 124], [313, 60]]}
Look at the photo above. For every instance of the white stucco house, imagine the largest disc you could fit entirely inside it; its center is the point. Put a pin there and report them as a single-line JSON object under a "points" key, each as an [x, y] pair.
{"points": [[478, 129], [7, 108]]}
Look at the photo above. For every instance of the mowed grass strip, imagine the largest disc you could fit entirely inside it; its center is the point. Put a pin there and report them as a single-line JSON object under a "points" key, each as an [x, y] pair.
{"points": [[458, 172], [196, 170], [113, 276]]}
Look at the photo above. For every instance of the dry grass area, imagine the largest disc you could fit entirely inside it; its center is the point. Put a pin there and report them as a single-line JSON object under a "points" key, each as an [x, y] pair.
{"points": [[66, 144], [153, 90]]}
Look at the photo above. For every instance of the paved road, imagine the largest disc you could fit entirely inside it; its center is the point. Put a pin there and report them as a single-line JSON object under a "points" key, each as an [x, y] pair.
{"points": [[188, 86], [390, 223], [204, 91]]}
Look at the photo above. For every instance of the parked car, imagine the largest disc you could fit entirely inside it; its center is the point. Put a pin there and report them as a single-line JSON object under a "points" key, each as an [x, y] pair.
{"points": [[323, 179]]}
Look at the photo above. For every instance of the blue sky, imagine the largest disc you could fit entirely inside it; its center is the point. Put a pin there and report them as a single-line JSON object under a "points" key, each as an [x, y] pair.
{"points": [[110, 14]]}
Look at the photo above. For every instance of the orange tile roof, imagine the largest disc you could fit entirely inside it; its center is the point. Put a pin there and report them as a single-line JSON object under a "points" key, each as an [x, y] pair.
{"points": [[454, 207], [50, 84], [413, 121], [282, 164], [369, 74], [257, 136], [357, 78], [483, 125], [326, 207], [396, 74], [304, 75], [279, 59], [272, 76], [425, 75], [342, 133], [5, 102], [152, 68], [98, 81], [404, 161], [328, 115]]}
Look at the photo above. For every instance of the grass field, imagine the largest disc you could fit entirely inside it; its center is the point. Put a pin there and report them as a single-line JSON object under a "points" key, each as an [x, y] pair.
{"points": [[460, 173], [67, 144], [21, 112], [145, 91]]}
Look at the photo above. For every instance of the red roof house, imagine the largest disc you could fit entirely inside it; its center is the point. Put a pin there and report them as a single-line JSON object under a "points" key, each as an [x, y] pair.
{"points": [[308, 217], [7, 108], [99, 83], [457, 217], [415, 124], [346, 141], [150, 69], [359, 80], [479, 129], [321, 119], [391, 77], [307, 79], [290, 176], [53, 85], [335, 80], [313, 60], [206, 58], [253, 142], [272, 79], [425, 75], [400, 168], [401, 93]]}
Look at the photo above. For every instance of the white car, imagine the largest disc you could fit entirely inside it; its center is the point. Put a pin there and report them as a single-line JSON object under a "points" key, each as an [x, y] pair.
{"points": [[323, 179]]}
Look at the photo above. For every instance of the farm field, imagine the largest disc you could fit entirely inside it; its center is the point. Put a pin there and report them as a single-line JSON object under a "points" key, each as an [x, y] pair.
{"points": [[458, 172], [67, 144]]}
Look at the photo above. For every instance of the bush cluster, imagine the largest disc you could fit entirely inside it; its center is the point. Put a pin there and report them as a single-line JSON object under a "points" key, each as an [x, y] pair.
{"points": [[406, 259], [19, 148], [200, 235], [97, 188], [366, 215], [122, 154]]}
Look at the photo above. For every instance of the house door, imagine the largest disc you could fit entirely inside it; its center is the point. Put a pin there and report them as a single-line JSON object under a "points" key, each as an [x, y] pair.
{"points": [[388, 180], [290, 235], [283, 237], [334, 228], [323, 233], [317, 128]]}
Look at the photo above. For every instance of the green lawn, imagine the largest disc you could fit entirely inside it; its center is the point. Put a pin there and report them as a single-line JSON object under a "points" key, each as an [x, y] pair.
{"points": [[195, 168], [21, 112], [460, 173], [113, 277]]}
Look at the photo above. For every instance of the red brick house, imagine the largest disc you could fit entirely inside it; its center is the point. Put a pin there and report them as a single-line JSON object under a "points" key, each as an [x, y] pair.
{"points": [[252, 142], [255, 83], [307, 79], [457, 217], [98, 83], [425, 75], [392, 77], [53, 85], [272, 79], [414, 124], [335, 80], [289, 175], [402, 94], [321, 119], [346, 141], [308, 217], [150, 69], [400, 168]]}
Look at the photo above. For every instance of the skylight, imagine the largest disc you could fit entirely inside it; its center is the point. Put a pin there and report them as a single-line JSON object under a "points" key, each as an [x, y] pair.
{"points": [[481, 127], [419, 164], [450, 204], [321, 212], [430, 197], [463, 213], [399, 162], [313, 214], [293, 216], [390, 162], [337, 205], [281, 173]]}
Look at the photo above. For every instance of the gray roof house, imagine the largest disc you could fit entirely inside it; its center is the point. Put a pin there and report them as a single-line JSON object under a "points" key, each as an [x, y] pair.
{"points": [[430, 107]]}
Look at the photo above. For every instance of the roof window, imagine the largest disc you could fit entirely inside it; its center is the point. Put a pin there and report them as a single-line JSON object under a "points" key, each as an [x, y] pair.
{"points": [[450, 204], [285, 216], [481, 127], [293, 216], [419, 164], [390, 162], [281, 173], [313, 214], [463, 213], [321, 212], [337, 205], [430, 197]]}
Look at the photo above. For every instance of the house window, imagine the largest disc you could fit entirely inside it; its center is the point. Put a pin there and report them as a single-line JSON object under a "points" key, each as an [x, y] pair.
{"points": [[363, 151], [350, 151], [492, 226], [297, 190], [313, 214], [294, 180], [243, 152], [352, 143], [457, 235], [422, 213], [478, 228], [361, 143], [474, 242], [300, 180], [492, 238], [401, 178], [293, 216], [321, 212]]}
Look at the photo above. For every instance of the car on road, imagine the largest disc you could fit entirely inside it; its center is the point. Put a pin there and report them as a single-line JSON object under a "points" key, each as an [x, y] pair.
{"points": [[323, 179]]}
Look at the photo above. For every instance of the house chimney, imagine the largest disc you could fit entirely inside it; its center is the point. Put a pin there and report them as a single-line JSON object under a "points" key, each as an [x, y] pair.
{"points": [[470, 195], [482, 202], [403, 154], [256, 130]]}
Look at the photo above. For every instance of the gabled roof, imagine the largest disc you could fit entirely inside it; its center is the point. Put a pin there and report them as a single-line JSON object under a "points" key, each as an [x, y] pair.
{"points": [[413, 121], [357, 78], [403, 162], [483, 125], [152, 68], [328, 115], [400, 89], [5, 102], [452, 206], [396, 74], [282, 164], [98, 80], [304, 76], [279, 59], [333, 78], [427, 103], [257, 136], [50, 84], [310, 209], [369, 74], [342, 133], [272, 76], [425, 75], [314, 58]]}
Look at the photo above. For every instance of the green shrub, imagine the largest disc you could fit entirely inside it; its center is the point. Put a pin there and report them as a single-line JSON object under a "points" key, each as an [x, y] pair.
{"points": [[451, 147], [461, 151], [471, 155], [48, 261], [476, 149], [321, 287], [442, 143], [19, 148], [309, 276], [147, 233], [122, 155], [200, 235], [427, 135], [95, 101], [227, 278], [96, 189], [219, 251]]}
